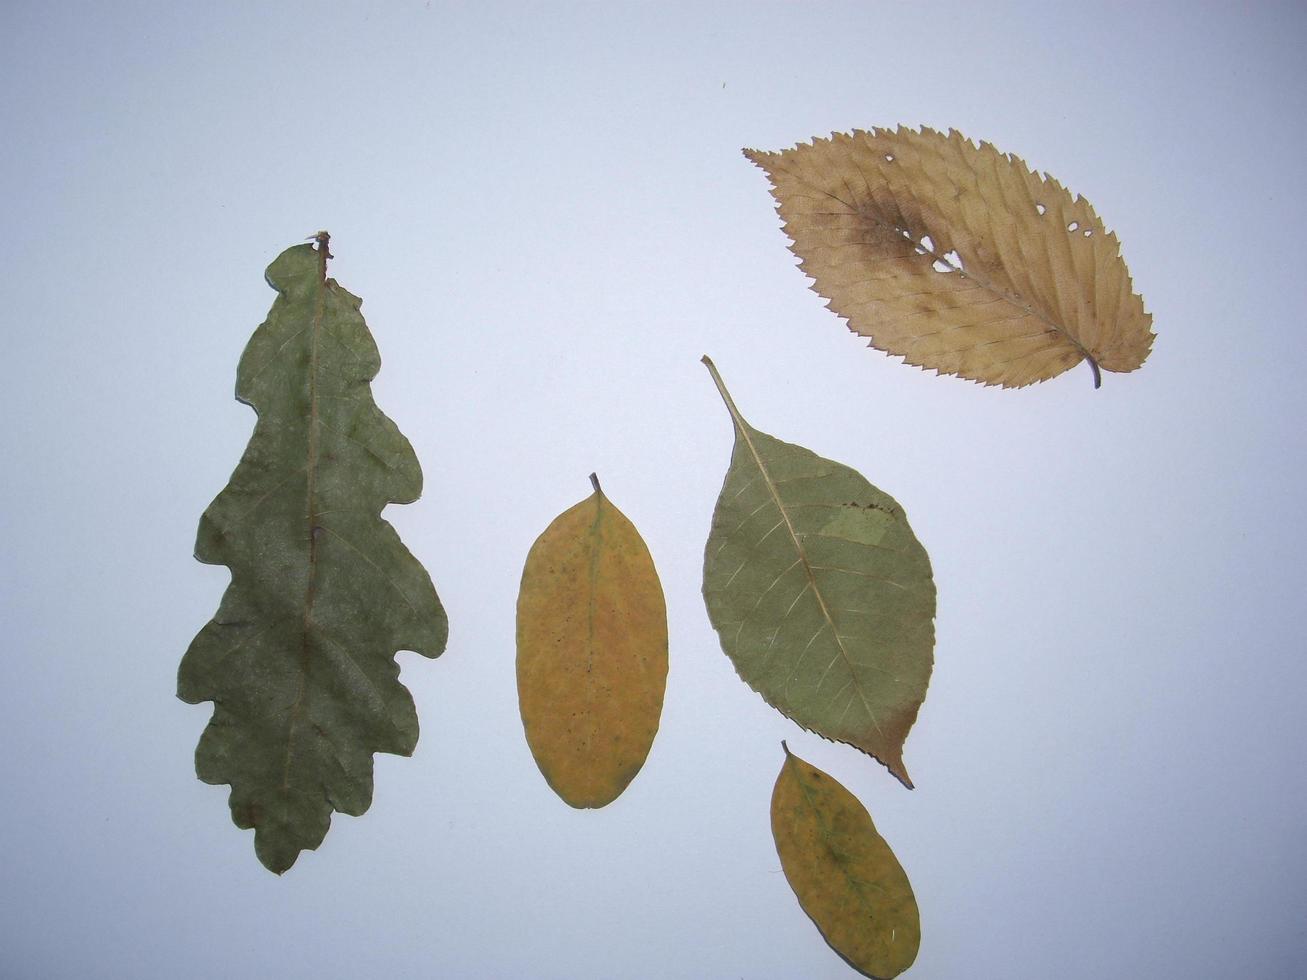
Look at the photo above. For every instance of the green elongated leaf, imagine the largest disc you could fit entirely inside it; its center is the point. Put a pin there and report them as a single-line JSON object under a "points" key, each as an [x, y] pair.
{"points": [[299, 660], [820, 593], [843, 873]]}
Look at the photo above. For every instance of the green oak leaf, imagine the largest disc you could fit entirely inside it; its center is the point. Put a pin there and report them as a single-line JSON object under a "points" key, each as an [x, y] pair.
{"points": [[820, 593], [299, 660]]}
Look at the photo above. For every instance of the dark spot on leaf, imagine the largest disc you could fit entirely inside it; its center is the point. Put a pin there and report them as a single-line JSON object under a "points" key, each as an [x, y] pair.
{"points": [[248, 816]]}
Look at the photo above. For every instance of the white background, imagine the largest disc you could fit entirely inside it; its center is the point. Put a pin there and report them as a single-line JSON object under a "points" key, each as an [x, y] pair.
{"points": [[547, 214]]}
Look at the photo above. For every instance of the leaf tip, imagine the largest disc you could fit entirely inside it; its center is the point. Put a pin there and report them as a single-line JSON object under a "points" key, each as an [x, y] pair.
{"points": [[900, 772], [277, 862]]}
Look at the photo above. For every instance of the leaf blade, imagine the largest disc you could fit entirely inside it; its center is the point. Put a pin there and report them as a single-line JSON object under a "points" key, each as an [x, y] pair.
{"points": [[956, 257], [591, 652], [299, 659], [844, 874], [820, 593]]}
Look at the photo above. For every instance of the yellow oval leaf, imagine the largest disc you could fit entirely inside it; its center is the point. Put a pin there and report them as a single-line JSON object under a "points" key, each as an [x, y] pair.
{"points": [[844, 874], [958, 257], [591, 652]]}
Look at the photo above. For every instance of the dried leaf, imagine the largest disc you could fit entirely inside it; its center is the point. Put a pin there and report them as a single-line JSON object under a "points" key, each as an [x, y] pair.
{"points": [[820, 593], [591, 652], [844, 874], [300, 659], [958, 257]]}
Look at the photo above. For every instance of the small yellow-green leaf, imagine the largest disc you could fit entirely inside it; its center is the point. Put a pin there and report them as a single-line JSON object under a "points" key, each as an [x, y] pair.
{"points": [[845, 876], [591, 652]]}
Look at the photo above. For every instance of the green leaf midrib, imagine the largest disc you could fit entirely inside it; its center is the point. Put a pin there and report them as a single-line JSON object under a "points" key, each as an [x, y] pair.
{"points": [[310, 483]]}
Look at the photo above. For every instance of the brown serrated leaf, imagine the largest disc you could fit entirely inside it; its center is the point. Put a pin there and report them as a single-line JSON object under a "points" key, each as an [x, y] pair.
{"points": [[956, 257]]}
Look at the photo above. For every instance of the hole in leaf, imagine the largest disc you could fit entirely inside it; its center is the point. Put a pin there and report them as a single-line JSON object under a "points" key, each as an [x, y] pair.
{"points": [[1073, 226], [926, 245], [1040, 208], [1088, 232], [950, 262], [889, 157]]}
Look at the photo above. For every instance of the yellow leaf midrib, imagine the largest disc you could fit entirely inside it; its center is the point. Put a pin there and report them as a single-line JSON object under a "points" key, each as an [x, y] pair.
{"points": [[596, 556]]}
